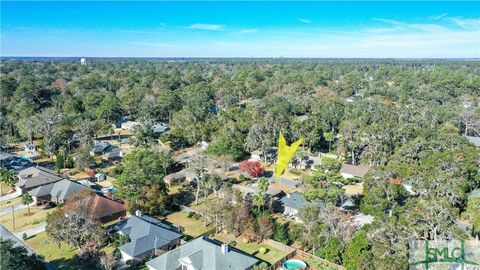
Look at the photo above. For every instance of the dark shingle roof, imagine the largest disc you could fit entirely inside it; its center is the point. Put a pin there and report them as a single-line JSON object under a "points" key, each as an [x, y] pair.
{"points": [[204, 253], [60, 190], [295, 200], [37, 176], [144, 233]]}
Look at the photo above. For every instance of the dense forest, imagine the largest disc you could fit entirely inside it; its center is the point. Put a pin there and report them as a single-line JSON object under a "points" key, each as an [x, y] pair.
{"points": [[405, 118]]}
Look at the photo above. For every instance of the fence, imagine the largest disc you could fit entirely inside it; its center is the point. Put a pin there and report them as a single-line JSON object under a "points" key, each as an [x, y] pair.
{"points": [[292, 252]]}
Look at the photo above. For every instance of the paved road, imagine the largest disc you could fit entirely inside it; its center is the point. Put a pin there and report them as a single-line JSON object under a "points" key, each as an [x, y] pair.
{"points": [[8, 209], [9, 196], [33, 231]]}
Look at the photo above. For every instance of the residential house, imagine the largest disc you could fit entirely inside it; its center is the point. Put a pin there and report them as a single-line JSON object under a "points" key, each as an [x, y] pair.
{"points": [[101, 148], [130, 125], [160, 128], [148, 236], [474, 140], [353, 171], [104, 209], [250, 189], [57, 192], [33, 177], [31, 150], [291, 204], [203, 253]]}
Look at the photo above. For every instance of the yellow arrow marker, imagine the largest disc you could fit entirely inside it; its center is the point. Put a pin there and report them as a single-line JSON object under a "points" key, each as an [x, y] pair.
{"points": [[285, 154]]}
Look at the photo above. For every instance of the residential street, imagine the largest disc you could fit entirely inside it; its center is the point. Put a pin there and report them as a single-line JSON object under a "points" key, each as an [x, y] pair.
{"points": [[8, 209]]}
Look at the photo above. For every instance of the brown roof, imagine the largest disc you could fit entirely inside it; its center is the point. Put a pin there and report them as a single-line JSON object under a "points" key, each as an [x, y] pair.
{"points": [[358, 171], [103, 207]]}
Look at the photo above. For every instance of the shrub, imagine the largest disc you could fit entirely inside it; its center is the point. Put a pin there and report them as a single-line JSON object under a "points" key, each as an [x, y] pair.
{"points": [[190, 214], [262, 250], [232, 243], [254, 168], [24, 236]]}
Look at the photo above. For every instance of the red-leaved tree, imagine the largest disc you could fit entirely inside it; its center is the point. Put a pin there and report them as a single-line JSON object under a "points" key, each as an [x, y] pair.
{"points": [[254, 168]]}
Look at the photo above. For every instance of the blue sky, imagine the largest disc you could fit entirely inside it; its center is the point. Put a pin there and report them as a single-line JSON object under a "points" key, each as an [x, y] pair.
{"points": [[241, 29]]}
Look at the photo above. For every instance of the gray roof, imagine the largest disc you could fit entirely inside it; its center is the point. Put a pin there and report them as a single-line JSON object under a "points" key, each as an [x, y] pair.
{"points": [[160, 128], [14, 163], [474, 140], [295, 200], [6, 234], [288, 183], [60, 190], [103, 147], [41, 191], [33, 177], [204, 253], [145, 232], [65, 188]]}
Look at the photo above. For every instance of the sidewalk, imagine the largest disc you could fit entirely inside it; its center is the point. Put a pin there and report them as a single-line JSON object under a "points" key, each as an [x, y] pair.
{"points": [[33, 231]]}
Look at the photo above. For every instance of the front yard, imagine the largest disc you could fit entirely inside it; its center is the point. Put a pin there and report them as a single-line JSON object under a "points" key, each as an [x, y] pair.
{"points": [[271, 256], [24, 221], [9, 203], [191, 226], [61, 256]]}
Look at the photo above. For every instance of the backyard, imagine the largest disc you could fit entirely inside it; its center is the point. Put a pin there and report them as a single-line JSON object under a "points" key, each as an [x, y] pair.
{"points": [[271, 256], [23, 221], [191, 226]]}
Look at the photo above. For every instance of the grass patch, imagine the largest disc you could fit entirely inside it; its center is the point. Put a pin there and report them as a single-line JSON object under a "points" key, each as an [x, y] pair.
{"points": [[272, 256], [61, 256], [191, 226], [23, 221]]}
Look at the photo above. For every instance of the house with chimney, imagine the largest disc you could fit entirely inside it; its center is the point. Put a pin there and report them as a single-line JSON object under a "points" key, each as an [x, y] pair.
{"points": [[203, 253]]}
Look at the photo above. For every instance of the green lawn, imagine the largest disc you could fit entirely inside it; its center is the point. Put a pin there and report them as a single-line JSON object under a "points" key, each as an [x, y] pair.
{"points": [[60, 256], [191, 226], [272, 256], [23, 221]]}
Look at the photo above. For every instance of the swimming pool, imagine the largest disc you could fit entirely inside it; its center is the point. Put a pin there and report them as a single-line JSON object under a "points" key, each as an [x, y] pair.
{"points": [[294, 264]]}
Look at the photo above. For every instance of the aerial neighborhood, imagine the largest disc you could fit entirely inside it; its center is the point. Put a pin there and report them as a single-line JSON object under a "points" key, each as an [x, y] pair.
{"points": [[231, 164]]}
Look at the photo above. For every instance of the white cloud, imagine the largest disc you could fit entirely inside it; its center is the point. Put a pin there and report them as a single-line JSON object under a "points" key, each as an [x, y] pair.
{"points": [[438, 17], [304, 20], [248, 31], [208, 27], [466, 23]]}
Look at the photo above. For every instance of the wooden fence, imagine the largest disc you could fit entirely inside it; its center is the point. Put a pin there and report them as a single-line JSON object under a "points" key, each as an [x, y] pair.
{"points": [[292, 252]]}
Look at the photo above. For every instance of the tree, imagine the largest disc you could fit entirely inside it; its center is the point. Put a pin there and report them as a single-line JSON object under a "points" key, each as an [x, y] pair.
{"points": [[329, 137], [333, 250], [260, 197], [75, 223], [309, 216], [473, 213], [60, 159], [281, 233], [27, 200], [197, 168], [17, 257], [357, 254], [137, 172], [254, 168], [7, 177]]}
